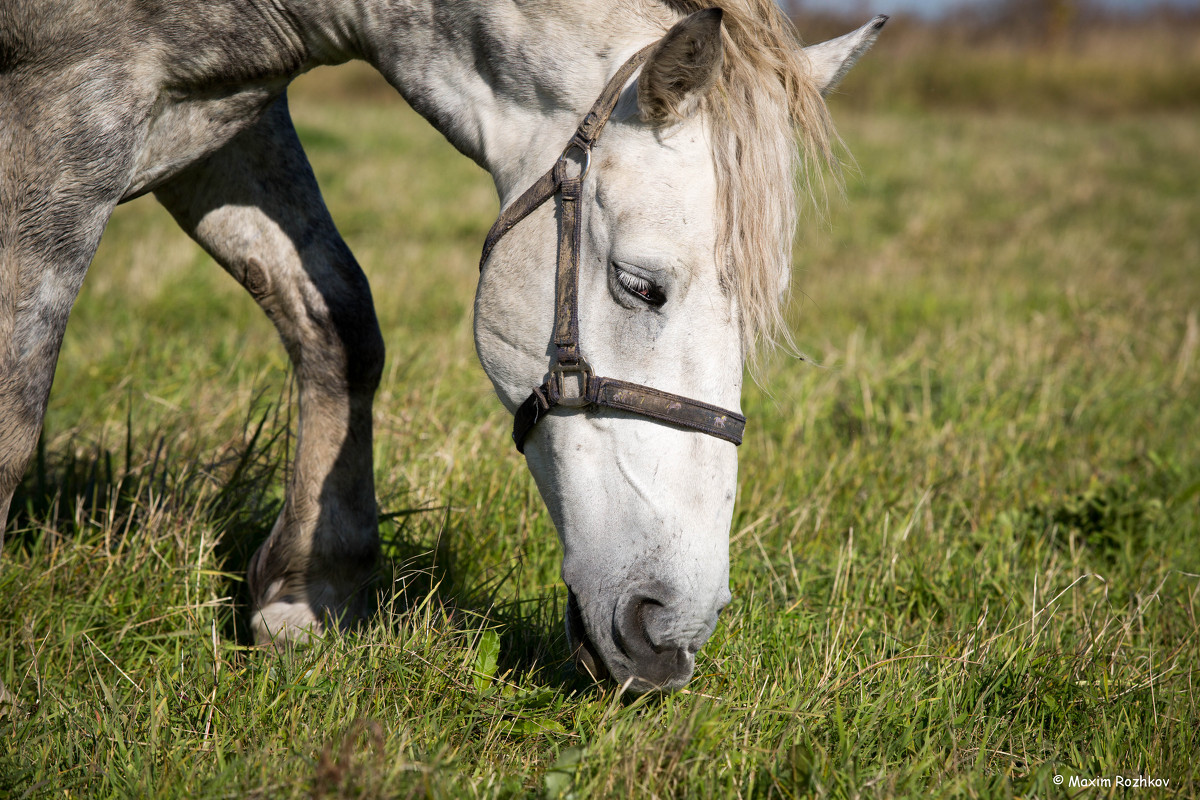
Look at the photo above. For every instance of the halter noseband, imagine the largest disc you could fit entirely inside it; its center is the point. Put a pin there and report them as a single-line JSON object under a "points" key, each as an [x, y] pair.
{"points": [[572, 383]]}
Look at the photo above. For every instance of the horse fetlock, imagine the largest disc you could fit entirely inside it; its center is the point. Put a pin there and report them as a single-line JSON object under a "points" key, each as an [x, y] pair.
{"points": [[5, 499]]}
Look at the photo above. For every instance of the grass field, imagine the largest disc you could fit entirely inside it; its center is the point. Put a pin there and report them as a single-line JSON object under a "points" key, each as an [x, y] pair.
{"points": [[965, 555]]}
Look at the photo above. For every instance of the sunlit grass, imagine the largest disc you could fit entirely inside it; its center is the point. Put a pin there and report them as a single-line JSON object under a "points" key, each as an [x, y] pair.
{"points": [[965, 551]]}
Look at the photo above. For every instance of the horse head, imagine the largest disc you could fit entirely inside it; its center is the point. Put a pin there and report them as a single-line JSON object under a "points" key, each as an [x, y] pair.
{"points": [[685, 214]]}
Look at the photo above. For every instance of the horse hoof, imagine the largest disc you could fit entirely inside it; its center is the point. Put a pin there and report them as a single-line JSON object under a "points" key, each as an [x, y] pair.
{"points": [[284, 617], [283, 624]]}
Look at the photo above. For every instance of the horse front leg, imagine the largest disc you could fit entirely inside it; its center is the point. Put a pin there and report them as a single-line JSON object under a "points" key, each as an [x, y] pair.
{"points": [[41, 273], [63, 166], [255, 207]]}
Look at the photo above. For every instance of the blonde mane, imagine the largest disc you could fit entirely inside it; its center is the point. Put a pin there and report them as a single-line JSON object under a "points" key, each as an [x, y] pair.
{"points": [[771, 134]]}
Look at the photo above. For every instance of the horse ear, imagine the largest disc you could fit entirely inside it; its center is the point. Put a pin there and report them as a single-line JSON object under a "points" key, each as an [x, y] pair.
{"points": [[683, 67], [833, 59]]}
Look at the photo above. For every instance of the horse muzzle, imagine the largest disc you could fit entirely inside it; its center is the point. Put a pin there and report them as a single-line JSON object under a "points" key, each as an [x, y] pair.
{"points": [[647, 642]]}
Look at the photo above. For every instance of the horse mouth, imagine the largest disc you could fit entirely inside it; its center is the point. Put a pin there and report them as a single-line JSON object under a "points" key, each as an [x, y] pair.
{"points": [[583, 650]]}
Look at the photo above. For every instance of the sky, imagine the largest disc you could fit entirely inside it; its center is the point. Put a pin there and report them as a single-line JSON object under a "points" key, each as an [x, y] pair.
{"points": [[932, 8]]}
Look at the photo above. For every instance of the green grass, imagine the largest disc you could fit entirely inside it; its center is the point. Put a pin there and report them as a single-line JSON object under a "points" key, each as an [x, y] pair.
{"points": [[965, 555]]}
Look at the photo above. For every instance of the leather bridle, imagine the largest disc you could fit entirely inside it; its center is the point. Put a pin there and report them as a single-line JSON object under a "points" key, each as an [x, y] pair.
{"points": [[572, 383]]}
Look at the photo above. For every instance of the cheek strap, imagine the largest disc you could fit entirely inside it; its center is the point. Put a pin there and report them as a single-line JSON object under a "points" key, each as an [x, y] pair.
{"points": [[572, 383]]}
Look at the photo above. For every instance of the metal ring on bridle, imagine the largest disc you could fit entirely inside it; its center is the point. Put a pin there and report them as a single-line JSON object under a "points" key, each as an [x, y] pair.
{"points": [[586, 150]]}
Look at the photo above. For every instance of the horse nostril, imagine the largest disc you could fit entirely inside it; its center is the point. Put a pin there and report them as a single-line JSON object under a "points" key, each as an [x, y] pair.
{"points": [[657, 632], [632, 629], [642, 634]]}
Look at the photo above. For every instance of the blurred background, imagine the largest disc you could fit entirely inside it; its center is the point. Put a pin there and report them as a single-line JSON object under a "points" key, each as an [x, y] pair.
{"points": [[940, 8], [1092, 56]]}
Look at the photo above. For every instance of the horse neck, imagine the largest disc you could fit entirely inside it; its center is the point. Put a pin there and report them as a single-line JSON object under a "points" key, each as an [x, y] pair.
{"points": [[505, 82]]}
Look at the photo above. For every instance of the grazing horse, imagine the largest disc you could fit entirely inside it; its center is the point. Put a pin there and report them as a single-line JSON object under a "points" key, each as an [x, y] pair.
{"points": [[644, 152]]}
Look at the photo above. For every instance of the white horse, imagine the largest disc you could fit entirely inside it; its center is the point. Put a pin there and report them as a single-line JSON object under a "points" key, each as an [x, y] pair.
{"points": [[673, 231]]}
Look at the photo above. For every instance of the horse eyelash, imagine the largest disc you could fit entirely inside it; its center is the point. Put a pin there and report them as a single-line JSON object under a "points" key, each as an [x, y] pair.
{"points": [[642, 288]]}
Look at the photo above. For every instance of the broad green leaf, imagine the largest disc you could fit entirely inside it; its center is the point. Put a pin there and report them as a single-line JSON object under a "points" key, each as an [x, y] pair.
{"points": [[485, 661]]}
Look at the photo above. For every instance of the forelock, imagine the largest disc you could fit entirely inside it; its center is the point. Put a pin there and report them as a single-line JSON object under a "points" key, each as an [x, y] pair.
{"points": [[772, 137]]}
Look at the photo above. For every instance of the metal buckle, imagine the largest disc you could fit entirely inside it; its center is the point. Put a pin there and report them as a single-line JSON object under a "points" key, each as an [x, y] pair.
{"points": [[584, 149], [558, 373]]}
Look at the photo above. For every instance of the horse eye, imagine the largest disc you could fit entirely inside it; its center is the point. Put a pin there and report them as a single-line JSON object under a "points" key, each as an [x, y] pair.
{"points": [[640, 288]]}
